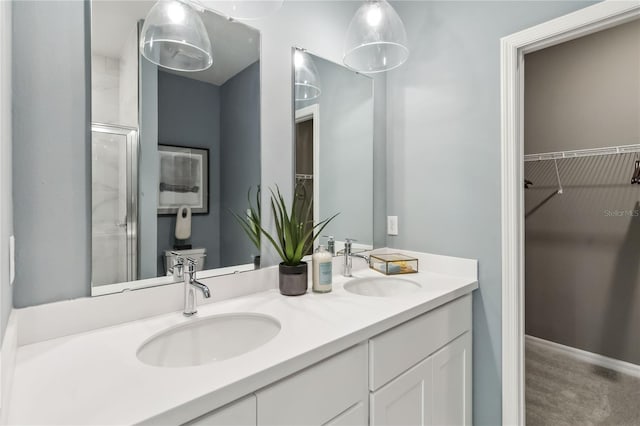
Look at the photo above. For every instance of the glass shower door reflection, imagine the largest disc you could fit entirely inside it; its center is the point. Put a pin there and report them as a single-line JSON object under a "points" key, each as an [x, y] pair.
{"points": [[114, 204]]}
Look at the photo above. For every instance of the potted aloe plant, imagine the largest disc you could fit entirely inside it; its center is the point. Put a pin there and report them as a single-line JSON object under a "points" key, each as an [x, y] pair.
{"points": [[250, 223], [294, 237]]}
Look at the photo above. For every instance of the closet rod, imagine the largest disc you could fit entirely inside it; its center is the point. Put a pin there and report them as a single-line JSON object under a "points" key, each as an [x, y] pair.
{"points": [[623, 149]]}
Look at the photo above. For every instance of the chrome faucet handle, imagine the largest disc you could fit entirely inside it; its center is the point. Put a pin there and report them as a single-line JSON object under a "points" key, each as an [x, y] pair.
{"points": [[347, 257], [178, 258], [177, 269], [191, 264], [190, 284], [347, 243], [331, 244]]}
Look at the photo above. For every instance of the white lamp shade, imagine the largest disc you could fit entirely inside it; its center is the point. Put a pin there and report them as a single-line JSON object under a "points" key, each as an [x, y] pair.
{"points": [[306, 80], [174, 36], [242, 9], [376, 39]]}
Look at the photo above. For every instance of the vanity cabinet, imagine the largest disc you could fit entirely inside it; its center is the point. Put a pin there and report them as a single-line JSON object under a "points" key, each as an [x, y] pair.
{"points": [[420, 371], [437, 391], [238, 413], [417, 373], [332, 392]]}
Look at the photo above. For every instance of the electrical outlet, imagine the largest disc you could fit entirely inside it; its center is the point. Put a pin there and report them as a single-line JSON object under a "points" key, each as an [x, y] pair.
{"points": [[392, 225]]}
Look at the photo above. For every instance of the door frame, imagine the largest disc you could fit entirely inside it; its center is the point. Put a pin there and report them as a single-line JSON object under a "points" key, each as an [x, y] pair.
{"points": [[304, 114], [586, 21]]}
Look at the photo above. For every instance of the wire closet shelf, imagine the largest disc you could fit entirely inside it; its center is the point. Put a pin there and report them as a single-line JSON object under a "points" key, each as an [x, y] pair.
{"points": [[591, 152]]}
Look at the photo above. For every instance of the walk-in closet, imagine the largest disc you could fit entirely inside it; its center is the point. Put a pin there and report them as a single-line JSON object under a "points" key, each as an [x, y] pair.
{"points": [[582, 230]]}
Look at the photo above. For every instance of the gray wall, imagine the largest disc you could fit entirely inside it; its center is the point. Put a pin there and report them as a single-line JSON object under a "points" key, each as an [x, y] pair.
{"points": [[443, 153], [584, 93], [239, 160], [189, 116], [380, 160], [51, 153], [346, 151], [582, 255], [320, 27], [6, 210]]}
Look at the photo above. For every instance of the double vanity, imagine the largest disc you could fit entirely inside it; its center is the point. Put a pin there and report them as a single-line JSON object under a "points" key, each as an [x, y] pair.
{"points": [[376, 350]]}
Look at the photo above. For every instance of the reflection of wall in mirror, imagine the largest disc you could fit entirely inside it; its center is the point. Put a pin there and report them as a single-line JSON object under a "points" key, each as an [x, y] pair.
{"points": [[239, 160], [346, 151], [189, 116], [114, 84], [225, 120]]}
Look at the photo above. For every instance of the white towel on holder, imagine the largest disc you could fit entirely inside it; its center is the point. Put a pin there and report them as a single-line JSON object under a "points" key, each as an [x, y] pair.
{"points": [[183, 223]]}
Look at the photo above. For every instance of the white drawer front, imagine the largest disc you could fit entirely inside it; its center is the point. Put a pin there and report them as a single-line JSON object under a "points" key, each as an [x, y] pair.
{"points": [[318, 394], [238, 413], [402, 347]]}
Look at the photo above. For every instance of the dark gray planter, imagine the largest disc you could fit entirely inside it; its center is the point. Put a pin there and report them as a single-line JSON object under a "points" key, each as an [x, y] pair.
{"points": [[256, 262], [293, 279]]}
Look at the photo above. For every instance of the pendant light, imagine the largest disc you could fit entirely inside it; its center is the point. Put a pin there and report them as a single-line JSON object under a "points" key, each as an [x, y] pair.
{"points": [[174, 36], [242, 9], [376, 39], [306, 81]]}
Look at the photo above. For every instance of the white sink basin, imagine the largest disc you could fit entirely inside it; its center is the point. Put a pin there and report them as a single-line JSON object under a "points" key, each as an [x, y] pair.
{"points": [[208, 339], [382, 287]]}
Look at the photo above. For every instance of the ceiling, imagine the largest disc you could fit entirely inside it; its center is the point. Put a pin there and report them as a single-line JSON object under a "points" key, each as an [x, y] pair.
{"points": [[235, 45]]}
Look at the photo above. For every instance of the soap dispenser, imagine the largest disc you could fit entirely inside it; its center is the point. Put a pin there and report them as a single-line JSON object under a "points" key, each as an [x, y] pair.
{"points": [[322, 270]]}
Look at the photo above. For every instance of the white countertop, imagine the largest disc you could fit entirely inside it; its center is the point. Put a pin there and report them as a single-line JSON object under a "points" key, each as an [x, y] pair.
{"points": [[94, 377]]}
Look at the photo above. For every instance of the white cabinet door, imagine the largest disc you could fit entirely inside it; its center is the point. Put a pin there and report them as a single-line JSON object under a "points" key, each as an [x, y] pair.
{"points": [[406, 400], [452, 383], [238, 413], [437, 391]]}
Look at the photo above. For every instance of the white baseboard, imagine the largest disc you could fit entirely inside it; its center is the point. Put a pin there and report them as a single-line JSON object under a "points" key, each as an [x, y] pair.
{"points": [[8, 361], [590, 357]]}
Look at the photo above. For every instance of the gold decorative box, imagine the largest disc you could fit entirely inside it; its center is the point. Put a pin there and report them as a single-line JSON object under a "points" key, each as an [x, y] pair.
{"points": [[393, 263]]}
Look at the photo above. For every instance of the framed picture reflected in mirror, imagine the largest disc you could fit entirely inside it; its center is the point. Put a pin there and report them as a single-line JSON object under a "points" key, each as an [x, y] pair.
{"points": [[183, 179]]}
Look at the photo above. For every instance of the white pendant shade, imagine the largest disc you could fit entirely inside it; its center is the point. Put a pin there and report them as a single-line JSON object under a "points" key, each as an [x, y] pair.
{"points": [[174, 36], [242, 9], [376, 39], [306, 81]]}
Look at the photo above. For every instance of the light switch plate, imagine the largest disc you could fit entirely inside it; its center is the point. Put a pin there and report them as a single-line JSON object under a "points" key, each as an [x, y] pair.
{"points": [[12, 259], [392, 225]]}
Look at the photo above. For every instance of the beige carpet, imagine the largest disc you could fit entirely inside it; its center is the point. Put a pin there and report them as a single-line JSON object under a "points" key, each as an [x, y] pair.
{"points": [[562, 391]]}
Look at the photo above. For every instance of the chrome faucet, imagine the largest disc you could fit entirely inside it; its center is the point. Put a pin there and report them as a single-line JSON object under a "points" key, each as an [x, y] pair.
{"points": [[190, 286], [348, 257]]}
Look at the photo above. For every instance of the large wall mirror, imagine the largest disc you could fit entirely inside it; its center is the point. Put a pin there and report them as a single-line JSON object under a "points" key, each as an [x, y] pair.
{"points": [[333, 116], [174, 154]]}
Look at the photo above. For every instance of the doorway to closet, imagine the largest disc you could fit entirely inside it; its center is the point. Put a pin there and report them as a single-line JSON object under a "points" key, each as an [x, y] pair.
{"points": [[582, 230]]}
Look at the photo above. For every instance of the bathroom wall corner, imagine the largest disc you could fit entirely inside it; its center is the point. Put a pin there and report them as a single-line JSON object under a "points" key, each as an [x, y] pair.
{"points": [[6, 201]]}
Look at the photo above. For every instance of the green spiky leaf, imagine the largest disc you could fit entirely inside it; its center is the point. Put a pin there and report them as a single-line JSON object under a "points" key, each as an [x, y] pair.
{"points": [[291, 241]]}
